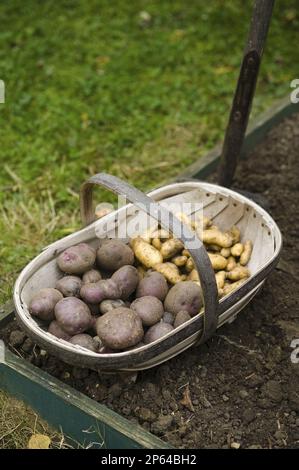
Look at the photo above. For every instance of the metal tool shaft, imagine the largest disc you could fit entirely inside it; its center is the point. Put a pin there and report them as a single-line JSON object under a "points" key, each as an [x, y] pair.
{"points": [[244, 92]]}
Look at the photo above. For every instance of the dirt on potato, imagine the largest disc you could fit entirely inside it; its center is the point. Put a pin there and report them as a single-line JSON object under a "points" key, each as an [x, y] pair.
{"points": [[241, 388]]}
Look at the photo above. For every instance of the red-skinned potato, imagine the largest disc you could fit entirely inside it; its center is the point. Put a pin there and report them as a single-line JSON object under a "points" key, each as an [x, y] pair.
{"points": [[185, 295], [69, 286], [43, 303], [113, 254], [157, 331], [149, 308], [95, 292], [56, 330], [127, 279], [73, 315], [77, 259], [153, 284], [93, 275], [120, 328], [85, 341]]}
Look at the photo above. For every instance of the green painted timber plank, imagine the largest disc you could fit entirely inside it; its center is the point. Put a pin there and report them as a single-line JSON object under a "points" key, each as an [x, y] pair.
{"points": [[80, 418]]}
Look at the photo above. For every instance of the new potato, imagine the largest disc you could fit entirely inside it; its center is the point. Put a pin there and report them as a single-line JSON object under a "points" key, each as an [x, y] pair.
{"points": [[113, 254], [43, 303], [157, 331], [120, 328], [153, 284], [69, 286], [126, 278], [186, 296], [149, 308], [77, 259], [73, 315]]}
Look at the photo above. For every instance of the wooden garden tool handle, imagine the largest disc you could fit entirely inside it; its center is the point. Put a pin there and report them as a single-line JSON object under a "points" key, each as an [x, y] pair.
{"points": [[168, 221]]}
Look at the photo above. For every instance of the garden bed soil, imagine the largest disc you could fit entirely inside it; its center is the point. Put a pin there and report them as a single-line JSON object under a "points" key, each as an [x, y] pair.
{"points": [[241, 388]]}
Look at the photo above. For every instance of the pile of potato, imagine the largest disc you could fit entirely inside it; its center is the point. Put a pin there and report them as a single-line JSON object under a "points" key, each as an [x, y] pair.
{"points": [[122, 296]]}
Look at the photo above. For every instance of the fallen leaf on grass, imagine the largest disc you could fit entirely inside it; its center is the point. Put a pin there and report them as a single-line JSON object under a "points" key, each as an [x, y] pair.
{"points": [[39, 441]]}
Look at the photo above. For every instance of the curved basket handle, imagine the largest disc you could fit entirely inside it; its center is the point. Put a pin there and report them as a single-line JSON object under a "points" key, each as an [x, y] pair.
{"points": [[168, 221]]}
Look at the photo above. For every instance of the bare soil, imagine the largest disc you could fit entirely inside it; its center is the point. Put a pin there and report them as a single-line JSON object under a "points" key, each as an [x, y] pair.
{"points": [[243, 387]]}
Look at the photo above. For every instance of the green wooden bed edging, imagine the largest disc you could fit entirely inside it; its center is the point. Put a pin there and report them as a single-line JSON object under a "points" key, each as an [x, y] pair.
{"points": [[81, 419]]}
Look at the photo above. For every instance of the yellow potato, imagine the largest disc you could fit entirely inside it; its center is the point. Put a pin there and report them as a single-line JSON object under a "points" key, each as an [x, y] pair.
{"points": [[220, 279], [141, 272], [189, 265], [226, 252], [193, 276], [231, 263], [218, 261], [170, 271], [161, 233], [237, 249], [214, 248], [239, 272], [186, 253], [228, 288], [235, 233], [184, 219], [147, 254], [245, 256], [179, 260], [156, 242], [171, 247], [212, 236], [147, 235]]}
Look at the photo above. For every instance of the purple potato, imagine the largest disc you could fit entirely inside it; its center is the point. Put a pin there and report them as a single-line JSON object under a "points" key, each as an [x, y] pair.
{"points": [[127, 279], [108, 305], [85, 341], [73, 315], [95, 292], [150, 309], [43, 303], [139, 345], [113, 254], [120, 328], [185, 295], [77, 259], [153, 284], [56, 330], [181, 317], [157, 331], [69, 286], [93, 275], [168, 318]]}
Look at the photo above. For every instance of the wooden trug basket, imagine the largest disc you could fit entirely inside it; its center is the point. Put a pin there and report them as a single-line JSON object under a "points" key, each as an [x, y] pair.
{"points": [[224, 206]]}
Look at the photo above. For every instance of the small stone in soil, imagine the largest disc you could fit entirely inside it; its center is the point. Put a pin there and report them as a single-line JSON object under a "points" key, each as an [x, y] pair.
{"points": [[243, 394], [248, 415], [145, 414], [17, 338], [80, 373], [162, 424], [27, 345], [115, 391], [272, 390]]}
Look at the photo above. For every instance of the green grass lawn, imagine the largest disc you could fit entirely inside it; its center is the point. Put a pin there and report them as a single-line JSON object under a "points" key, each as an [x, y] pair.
{"points": [[91, 87]]}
